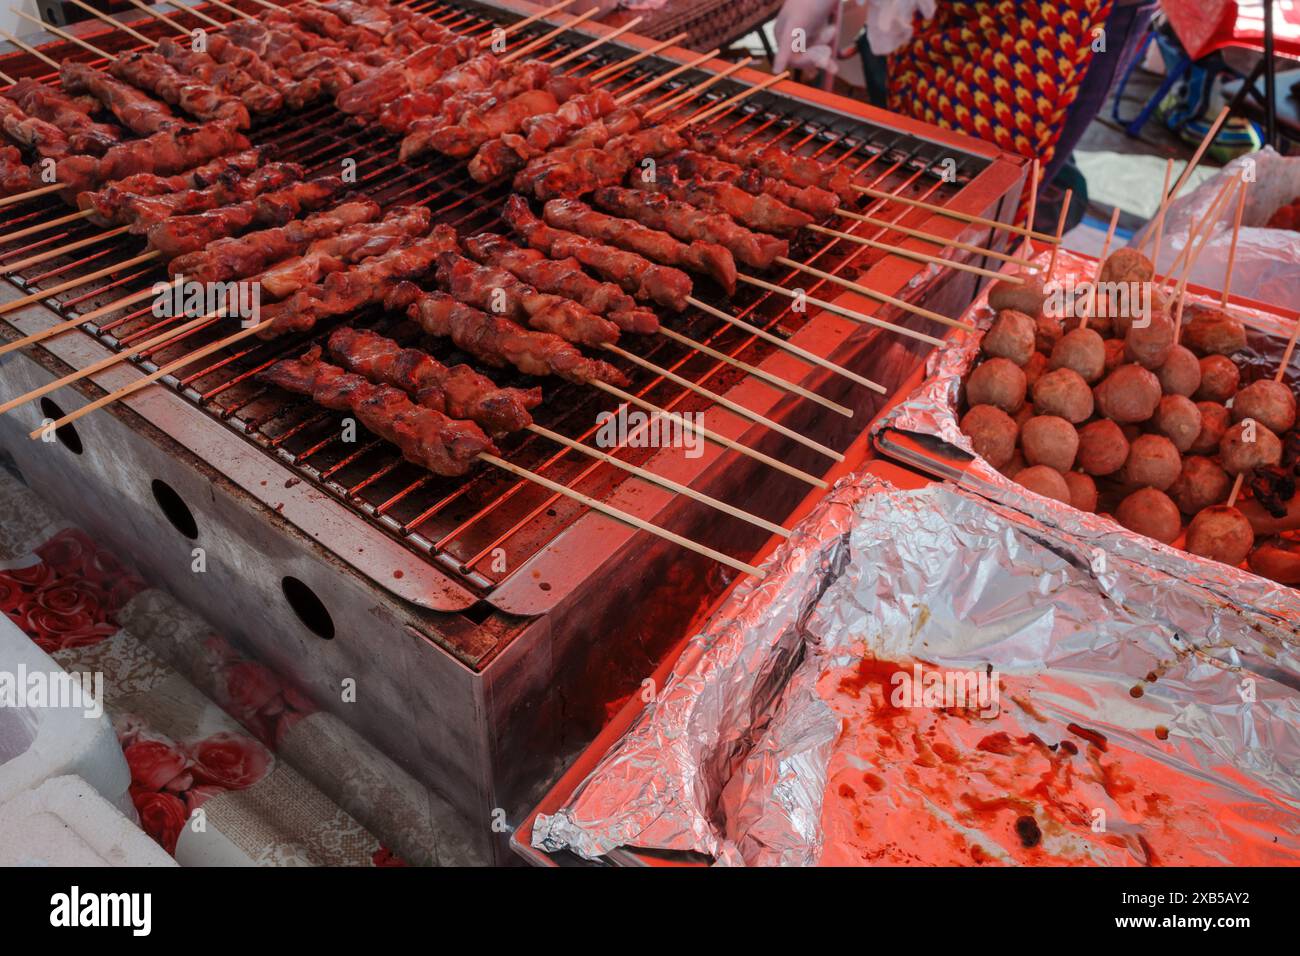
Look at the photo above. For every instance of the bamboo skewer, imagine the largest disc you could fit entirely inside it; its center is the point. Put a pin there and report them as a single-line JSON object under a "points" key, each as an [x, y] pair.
{"points": [[668, 483], [1200, 240], [527, 21], [1160, 218], [912, 254], [692, 91], [28, 48], [1232, 249], [55, 253], [658, 81], [1203, 225], [158, 15], [546, 38], [588, 47], [236, 11], [8, 307], [951, 213], [731, 101], [931, 237], [1027, 246], [64, 34], [725, 402], [6, 78], [620, 65], [1096, 273], [116, 24], [192, 11], [1060, 231]]}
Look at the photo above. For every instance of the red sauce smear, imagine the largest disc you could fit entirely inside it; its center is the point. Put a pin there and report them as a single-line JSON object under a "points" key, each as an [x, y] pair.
{"points": [[1098, 740]]}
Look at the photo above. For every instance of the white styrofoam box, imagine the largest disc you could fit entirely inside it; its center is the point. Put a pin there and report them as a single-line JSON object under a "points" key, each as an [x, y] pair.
{"points": [[39, 741], [65, 822]]}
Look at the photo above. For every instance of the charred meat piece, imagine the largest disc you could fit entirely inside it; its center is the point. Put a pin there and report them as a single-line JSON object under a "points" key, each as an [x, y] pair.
{"points": [[46, 139], [415, 71], [141, 114], [645, 280], [509, 152], [297, 92], [226, 78], [426, 437], [755, 249], [499, 291], [776, 163], [495, 340], [346, 247], [237, 257], [181, 234], [105, 203], [815, 201], [357, 286], [573, 171], [70, 114], [15, 177], [141, 212], [459, 391], [462, 139], [563, 277], [164, 153], [281, 48], [760, 213], [706, 257], [474, 74], [149, 71]]}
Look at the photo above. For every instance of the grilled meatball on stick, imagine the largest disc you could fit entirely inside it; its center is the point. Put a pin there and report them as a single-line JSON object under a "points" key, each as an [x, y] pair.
{"points": [[69, 114], [459, 391], [500, 292], [645, 280], [497, 341], [706, 257], [688, 223], [426, 437], [563, 277], [238, 256]]}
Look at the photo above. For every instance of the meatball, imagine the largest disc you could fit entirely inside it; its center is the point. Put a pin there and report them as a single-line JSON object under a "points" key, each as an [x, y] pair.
{"points": [[1045, 481], [992, 434], [997, 382], [1200, 484], [1129, 394], [1181, 373], [1115, 354], [1015, 466], [1153, 462], [1049, 440], [1214, 422], [1011, 336], [1219, 379], [1083, 490], [1178, 419], [1248, 445], [1103, 449], [1026, 412], [1048, 330], [1221, 533], [1126, 265], [1082, 350], [1027, 296], [1034, 368], [1064, 393], [1268, 402], [1211, 331], [1149, 343], [1149, 511]]}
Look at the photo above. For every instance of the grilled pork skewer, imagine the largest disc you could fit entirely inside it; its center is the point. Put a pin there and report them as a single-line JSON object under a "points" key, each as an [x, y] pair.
{"points": [[103, 204], [15, 177], [425, 436], [297, 93], [500, 292], [777, 164], [459, 391], [474, 75], [497, 341], [139, 213], [761, 213], [150, 72], [169, 151], [645, 280], [70, 114], [141, 114], [754, 249], [572, 171], [509, 152], [357, 286], [237, 257], [815, 201], [230, 79], [709, 258], [46, 139], [563, 277]]}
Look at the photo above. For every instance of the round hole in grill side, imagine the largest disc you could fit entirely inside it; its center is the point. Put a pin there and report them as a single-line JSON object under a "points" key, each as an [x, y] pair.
{"points": [[66, 434], [174, 508], [309, 608]]}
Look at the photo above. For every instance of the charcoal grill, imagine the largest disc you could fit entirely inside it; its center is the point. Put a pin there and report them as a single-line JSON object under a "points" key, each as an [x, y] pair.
{"points": [[489, 623]]}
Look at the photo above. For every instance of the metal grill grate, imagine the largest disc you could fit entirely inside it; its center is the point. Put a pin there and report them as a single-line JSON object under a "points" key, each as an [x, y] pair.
{"points": [[460, 522]]}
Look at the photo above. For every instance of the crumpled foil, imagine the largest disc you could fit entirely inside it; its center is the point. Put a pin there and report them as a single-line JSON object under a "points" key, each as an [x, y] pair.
{"points": [[1141, 720], [932, 411]]}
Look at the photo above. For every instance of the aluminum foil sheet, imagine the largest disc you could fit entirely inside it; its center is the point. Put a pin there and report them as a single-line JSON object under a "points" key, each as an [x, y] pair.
{"points": [[932, 412], [1127, 718]]}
